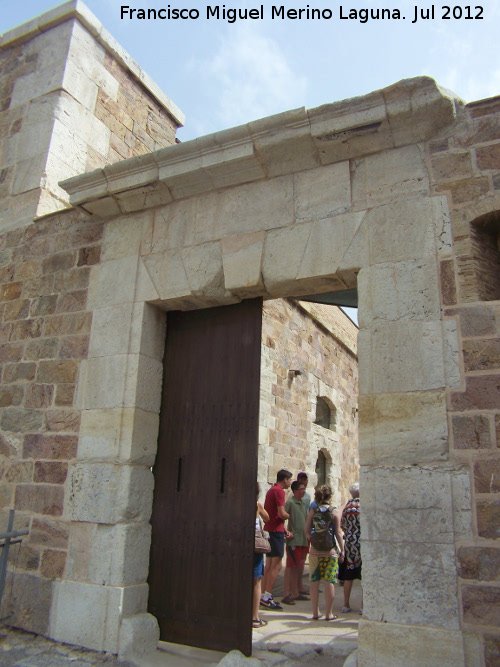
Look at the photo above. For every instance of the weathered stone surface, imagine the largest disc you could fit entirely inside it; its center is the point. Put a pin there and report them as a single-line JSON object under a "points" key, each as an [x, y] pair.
{"points": [[16, 471], [481, 563], [21, 421], [49, 446], [481, 354], [488, 519], [49, 472], [322, 193], [62, 420], [51, 533], [406, 428], [24, 588], [237, 659], [109, 555], [109, 493], [481, 393], [139, 636], [471, 432], [39, 396], [16, 372], [475, 320], [448, 282], [52, 564], [39, 499], [487, 475], [393, 645], [129, 435], [57, 371], [481, 605], [242, 263]]}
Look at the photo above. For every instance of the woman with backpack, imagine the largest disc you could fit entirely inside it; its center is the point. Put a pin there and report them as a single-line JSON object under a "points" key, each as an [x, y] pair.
{"points": [[322, 527]]}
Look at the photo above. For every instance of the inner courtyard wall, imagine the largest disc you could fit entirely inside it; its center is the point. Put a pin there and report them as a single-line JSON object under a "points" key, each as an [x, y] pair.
{"points": [[320, 342]]}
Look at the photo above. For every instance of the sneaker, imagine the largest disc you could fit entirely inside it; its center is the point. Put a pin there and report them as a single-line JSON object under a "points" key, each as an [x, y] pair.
{"points": [[361, 612], [271, 604], [345, 610]]}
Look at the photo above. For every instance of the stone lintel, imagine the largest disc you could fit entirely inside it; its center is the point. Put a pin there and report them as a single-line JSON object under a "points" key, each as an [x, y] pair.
{"points": [[410, 111], [78, 10]]}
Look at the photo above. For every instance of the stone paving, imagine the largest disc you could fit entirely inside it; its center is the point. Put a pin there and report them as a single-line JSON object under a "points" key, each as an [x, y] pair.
{"points": [[290, 639]]}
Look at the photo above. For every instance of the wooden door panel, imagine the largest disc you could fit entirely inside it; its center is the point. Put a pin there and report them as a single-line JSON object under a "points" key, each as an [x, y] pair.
{"points": [[205, 474]]}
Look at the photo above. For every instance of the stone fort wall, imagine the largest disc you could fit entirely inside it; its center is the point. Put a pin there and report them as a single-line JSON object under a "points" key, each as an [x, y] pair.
{"points": [[71, 101]]}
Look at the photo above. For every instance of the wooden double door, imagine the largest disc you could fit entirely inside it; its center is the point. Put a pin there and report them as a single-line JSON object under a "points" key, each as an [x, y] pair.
{"points": [[201, 567]]}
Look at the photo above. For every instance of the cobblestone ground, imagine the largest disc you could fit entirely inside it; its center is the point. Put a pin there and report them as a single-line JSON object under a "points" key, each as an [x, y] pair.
{"points": [[23, 649]]}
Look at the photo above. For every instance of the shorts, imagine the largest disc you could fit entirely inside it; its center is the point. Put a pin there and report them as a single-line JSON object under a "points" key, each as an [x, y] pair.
{"points": [[277, 540], [258, 566], [296, 556], [323, 568]]}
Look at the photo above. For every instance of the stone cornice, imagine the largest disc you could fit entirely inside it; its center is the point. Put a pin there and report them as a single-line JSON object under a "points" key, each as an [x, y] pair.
{"points": [[408, 112], [78, 10]]}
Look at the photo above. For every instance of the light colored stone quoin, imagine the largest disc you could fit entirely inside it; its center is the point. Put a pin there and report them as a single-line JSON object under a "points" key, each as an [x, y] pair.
{"points": [[395, 194]]}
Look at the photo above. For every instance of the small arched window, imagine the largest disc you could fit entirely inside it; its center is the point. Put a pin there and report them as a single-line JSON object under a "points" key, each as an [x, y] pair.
{"points": [[321, 468], [326, 414]]}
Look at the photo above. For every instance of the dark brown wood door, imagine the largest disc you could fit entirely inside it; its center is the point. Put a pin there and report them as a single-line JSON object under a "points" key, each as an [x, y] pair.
{"points": [[201, 568]]}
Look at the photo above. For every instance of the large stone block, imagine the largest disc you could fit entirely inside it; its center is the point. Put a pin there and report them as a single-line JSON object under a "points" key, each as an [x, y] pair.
{"points": [[204, 271], [399, 292], [126, 435], [29, 602], [123, 280], [410, 583], [122, 237], [403, 428], [242, 263], [139, 636], [322, 193], [327, 245], [106, 493], [396, 174], [246, 208], [429, 506], [394, 645], [407, 356], [128, 329], [109, 555]]}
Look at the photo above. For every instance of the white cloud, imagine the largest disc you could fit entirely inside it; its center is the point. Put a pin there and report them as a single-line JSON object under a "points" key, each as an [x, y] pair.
{"points": [[251, 77]]}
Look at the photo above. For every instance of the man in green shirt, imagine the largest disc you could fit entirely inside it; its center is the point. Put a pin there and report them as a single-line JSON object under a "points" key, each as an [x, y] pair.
{"points": [[297, 547]]}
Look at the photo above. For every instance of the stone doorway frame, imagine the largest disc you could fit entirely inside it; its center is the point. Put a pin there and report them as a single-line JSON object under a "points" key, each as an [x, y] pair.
{"points": [[297, 204]]}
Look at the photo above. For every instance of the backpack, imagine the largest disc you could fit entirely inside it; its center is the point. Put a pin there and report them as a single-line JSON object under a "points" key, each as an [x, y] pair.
{"points": [[322, 538]]}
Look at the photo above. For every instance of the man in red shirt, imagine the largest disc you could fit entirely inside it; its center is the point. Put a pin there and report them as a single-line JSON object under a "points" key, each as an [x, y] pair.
{"points": [[275, 507]]}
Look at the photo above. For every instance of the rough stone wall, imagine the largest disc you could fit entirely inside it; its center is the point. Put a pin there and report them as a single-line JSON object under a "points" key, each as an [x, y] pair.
{"points": [[293, 339], [138, 124], [466, 167], [67, 106], [44, 335]]}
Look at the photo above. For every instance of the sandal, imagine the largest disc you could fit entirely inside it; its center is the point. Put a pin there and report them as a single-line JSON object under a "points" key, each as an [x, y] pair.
{"points": [[258, 623], [316, 618], [301, 596], [332, 618], [288, 600]]}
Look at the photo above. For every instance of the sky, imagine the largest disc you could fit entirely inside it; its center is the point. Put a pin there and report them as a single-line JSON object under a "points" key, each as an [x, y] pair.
{"points": [[222, 74]]}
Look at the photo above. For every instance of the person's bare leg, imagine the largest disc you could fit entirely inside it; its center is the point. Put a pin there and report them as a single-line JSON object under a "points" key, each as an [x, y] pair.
{"points": [[287, 586], [271, 573], [302, 589], [294, 582], [265, 578], [256, 599], [347, 592], [329, 593], [314, 592]]}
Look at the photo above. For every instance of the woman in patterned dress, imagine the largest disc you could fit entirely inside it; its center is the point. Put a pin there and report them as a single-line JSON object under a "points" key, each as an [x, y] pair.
{"points": [[350, 569]]}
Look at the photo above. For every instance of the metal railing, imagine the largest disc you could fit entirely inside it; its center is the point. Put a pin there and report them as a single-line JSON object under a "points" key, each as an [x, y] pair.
{"points": [[9, 538]]}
